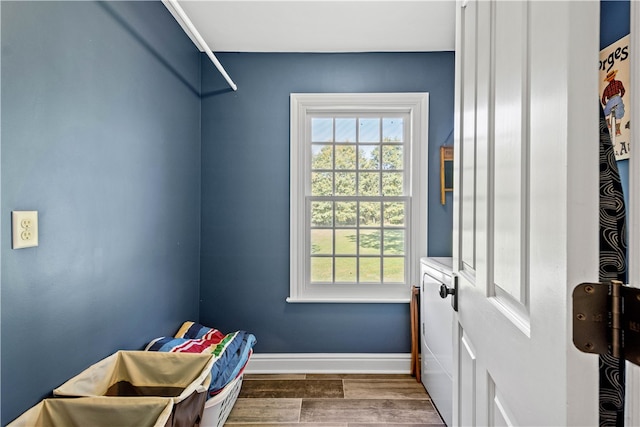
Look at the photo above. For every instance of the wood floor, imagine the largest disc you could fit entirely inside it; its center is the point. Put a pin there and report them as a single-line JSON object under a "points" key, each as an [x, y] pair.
{"points": [[333, 401]]}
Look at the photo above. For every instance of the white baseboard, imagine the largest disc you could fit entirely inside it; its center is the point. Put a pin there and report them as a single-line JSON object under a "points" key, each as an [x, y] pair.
{"points": [[329, 363]]}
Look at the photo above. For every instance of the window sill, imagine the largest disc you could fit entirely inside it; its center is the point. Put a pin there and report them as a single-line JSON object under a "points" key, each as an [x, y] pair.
{"points": [[349, 300]]}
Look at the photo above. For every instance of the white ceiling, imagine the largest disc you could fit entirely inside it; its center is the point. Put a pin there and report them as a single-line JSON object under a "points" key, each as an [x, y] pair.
{"points": [[323, 25]]}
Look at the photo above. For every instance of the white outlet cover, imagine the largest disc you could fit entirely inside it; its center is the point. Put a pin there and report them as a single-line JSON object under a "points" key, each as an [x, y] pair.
{"points": [[24, 229]]}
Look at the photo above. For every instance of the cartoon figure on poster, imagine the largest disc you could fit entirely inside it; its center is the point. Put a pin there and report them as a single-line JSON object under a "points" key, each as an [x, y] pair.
{"points": [[614, 83], [612, 101]]}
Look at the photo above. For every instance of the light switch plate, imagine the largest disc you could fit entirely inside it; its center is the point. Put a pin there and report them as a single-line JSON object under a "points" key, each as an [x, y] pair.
{"points": [[24, 226]]}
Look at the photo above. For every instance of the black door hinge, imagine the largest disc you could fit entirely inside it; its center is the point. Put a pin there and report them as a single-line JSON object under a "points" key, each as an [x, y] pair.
{"points": [[606, 319]]}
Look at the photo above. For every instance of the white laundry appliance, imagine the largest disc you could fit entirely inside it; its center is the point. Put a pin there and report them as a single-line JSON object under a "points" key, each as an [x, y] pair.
{"points": [[436, 333]]}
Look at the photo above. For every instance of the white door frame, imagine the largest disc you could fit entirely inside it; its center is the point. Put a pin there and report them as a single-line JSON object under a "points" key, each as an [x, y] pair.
{"points": [[633, 212]]}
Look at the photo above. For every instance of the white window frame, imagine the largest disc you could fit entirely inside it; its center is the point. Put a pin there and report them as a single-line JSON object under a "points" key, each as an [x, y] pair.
{"points": [[302, 106]]}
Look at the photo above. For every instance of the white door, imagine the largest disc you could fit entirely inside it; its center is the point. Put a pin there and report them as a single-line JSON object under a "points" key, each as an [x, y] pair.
{"points": [[525, 210]]}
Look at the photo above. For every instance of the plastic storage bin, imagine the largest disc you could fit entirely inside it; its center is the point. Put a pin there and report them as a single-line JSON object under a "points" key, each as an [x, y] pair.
{"points": [[98, 412], [218, 408], [183, 377]]}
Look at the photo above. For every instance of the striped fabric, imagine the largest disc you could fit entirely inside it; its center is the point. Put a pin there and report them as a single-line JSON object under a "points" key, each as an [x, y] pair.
{"points": [[232, 351]]}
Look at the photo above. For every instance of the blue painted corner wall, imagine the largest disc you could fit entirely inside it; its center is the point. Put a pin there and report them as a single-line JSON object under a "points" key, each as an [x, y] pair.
{"points": [[101, 135], [163, 196], [245, 195]]}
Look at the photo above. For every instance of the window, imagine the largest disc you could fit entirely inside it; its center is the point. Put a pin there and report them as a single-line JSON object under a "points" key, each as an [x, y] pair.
{"points": [[358, 196]]}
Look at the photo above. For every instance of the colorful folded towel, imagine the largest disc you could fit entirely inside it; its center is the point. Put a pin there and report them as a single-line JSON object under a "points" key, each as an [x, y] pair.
{"points": [[232, 351]]}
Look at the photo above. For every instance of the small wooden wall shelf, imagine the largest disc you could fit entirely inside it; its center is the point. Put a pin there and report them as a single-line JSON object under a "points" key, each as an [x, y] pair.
{"points": [[446, 172]]}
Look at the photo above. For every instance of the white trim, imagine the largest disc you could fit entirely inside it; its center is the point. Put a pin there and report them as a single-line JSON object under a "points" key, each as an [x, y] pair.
{"points": [[181, 17], [351, 300], [329, 363], [633, 213], [632, 416], [416, 104], [632, 405]]}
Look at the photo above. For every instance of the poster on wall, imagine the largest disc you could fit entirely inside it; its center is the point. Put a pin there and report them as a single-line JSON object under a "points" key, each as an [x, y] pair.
{"points": [[614, 84]]}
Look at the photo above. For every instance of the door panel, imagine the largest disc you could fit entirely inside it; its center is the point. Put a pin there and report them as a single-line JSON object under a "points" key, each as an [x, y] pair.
{"points": [[467, 383], [467, 158], [526, 182], [509, 147], [498, 412]]}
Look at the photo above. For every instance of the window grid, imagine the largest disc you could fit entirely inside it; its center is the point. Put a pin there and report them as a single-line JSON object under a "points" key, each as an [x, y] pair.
{"points": [[383, 254], [383, 251]]}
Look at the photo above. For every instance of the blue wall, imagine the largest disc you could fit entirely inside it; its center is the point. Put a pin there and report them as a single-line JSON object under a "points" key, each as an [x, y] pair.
{"points": [[245, 195], [102, 123], [101, 135]]}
